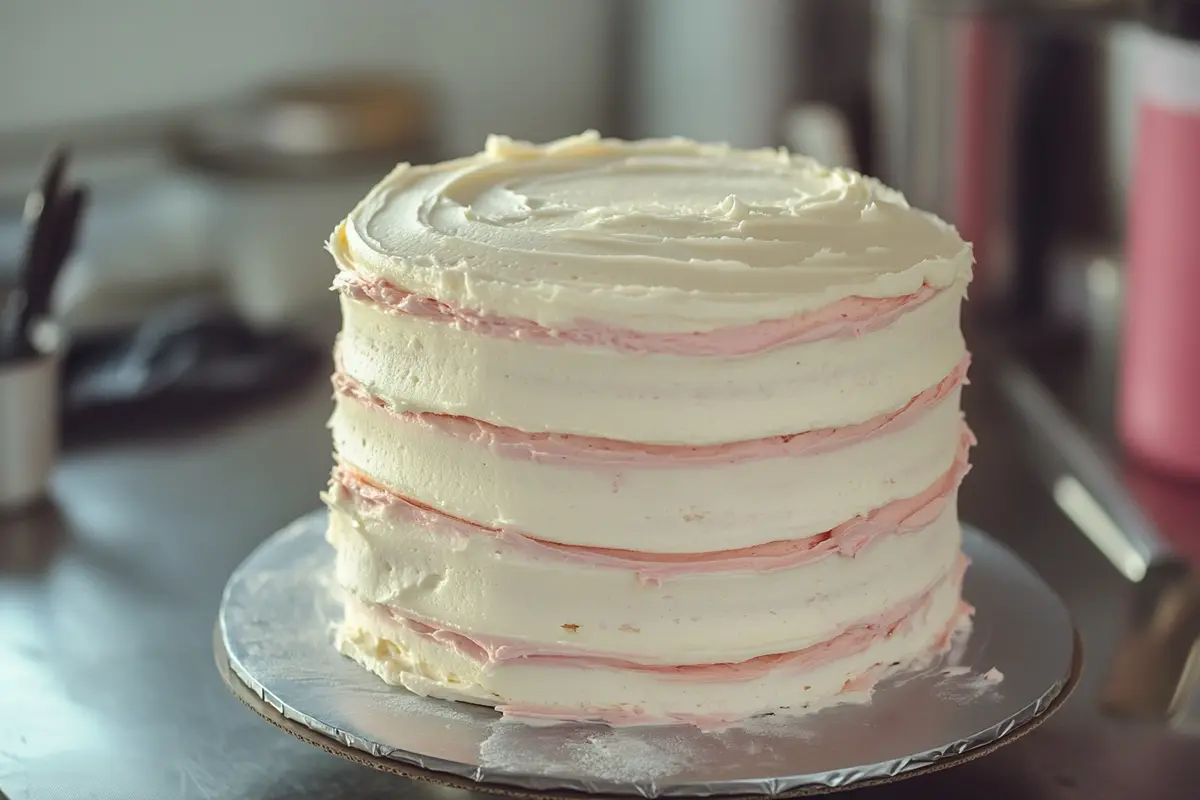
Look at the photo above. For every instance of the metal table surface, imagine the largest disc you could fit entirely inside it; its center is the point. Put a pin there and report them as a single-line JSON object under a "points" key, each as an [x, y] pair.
{"points": [[107, 600]]}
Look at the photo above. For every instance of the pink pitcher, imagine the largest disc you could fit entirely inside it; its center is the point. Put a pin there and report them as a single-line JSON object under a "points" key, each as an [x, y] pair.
{"points": [[1159, 384]]}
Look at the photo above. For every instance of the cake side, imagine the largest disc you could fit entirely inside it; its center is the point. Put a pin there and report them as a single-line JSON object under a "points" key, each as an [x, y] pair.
{"points": [[552, 686], [634, 606], [417, 364], [645, 431]]}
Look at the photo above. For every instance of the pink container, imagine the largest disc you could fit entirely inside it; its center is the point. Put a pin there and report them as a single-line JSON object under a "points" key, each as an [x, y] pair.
{"points": [[1159, 383]]}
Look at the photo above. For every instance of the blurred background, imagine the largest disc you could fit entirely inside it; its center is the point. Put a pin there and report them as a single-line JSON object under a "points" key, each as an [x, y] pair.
{"points": [[201, 126], [222, 140]]}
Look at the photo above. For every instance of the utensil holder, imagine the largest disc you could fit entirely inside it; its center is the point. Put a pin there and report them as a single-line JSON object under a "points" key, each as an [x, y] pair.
{"points": [[29, 428]]}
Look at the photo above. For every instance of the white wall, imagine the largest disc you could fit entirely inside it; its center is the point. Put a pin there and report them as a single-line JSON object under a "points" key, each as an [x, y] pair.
{"points": [[530, 68]]}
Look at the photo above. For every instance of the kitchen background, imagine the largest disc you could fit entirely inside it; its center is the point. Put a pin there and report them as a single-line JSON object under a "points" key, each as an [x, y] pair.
{"points": [[138, 88], [222, 140], [143, 91]]}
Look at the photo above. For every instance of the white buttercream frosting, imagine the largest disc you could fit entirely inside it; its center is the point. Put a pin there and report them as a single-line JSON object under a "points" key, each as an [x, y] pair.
{"points": [[661, 235], [645, 430]]}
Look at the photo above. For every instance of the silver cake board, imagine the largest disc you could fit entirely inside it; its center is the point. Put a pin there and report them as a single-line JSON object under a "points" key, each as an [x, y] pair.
{"points": [[274, 650]]}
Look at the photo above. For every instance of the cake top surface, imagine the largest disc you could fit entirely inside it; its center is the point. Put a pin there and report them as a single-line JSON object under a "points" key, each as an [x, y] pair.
{"points": [[656, 234]]}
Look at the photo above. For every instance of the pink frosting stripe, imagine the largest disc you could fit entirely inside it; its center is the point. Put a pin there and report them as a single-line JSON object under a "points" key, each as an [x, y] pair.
{"points": [[902, 516], [619, 716], [851, 639], [845, 318], [592, 451]]}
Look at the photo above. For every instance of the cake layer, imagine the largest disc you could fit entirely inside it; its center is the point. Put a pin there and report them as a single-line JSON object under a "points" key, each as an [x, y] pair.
{"points": [[693, 612], [658, 236], [432, 662], [426, 365], [655, 504], [576, 450], [847, 317]]}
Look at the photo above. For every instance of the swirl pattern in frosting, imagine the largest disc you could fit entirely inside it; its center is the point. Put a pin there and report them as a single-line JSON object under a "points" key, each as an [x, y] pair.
{"points": [[656, 236]]}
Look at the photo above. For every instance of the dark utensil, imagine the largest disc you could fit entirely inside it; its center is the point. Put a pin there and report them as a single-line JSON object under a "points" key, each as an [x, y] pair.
{"points": [[47, 191], [52, 218], [38, 208], [64, 233]]}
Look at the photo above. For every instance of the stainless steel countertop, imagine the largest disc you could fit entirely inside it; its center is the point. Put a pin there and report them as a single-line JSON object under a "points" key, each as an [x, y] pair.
{"points": [[107, 600]]}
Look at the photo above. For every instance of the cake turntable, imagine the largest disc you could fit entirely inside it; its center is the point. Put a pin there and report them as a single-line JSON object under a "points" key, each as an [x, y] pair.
{"points": [[273, 646]]}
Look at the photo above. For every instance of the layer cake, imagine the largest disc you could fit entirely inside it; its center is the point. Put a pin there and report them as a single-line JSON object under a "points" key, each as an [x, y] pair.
{"points": [[645, 432]]}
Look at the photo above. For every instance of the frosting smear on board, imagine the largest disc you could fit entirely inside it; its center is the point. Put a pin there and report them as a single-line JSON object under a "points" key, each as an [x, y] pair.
{"points": [[650, 431]]}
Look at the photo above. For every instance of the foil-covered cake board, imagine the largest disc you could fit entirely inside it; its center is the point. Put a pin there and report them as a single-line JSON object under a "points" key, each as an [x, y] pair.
{"points": [[274, 647]]}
